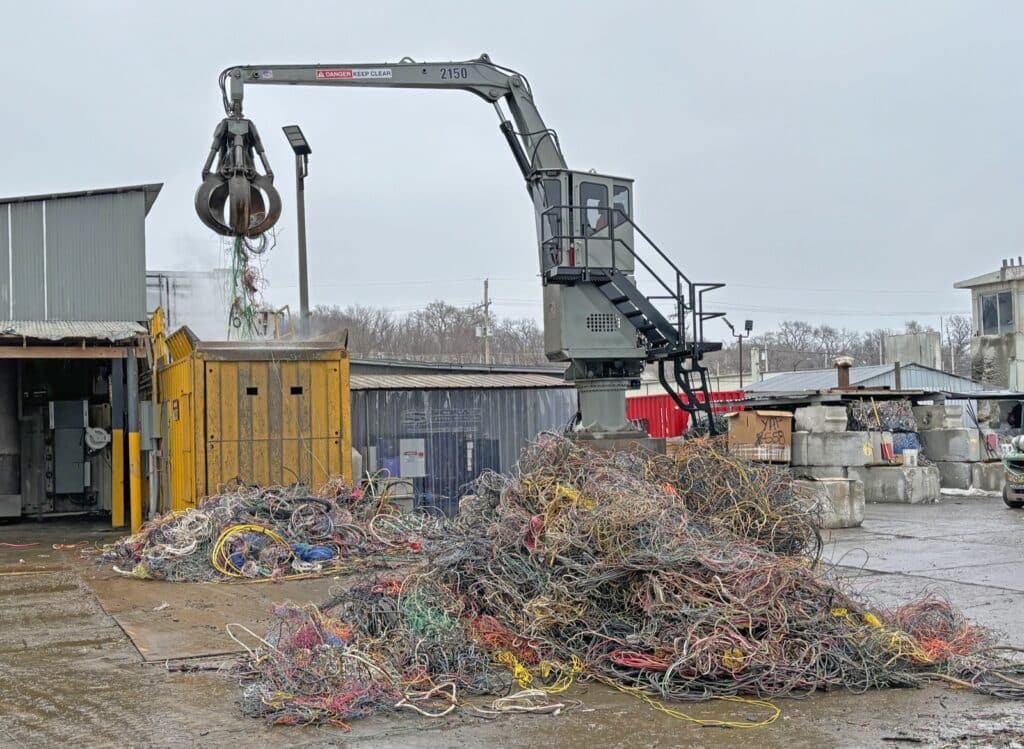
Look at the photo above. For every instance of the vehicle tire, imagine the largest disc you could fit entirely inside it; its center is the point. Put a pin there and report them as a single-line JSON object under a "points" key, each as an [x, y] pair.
{"points": [[1014, 503]]}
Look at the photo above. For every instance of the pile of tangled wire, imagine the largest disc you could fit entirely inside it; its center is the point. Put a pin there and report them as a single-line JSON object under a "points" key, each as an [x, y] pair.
{"points": [[687, 578], [384, 646], [272, 533]]}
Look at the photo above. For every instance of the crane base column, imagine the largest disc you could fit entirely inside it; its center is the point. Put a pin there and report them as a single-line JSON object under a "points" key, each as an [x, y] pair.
{"points": [[603, 423]]}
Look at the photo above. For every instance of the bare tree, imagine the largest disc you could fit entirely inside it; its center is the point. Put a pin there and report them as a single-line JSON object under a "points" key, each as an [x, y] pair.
{"points": [[957, 348], [439, 332]]}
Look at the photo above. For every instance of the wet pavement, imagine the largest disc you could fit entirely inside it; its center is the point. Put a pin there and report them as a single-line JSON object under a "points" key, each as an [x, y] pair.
{"points": [[70, 675]]}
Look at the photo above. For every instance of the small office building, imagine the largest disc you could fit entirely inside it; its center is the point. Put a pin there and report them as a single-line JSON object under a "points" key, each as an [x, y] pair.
{"points": [[72, 349]]}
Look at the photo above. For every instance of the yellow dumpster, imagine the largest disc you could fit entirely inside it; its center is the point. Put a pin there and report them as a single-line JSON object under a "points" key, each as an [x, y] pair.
{"points": [[267, 412]]}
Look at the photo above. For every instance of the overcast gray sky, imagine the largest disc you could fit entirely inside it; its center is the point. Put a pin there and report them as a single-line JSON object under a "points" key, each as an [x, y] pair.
{"points": [[842, 162]]}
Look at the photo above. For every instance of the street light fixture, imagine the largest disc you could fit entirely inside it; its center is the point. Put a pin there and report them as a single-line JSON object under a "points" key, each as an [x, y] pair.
{"points": [[748, 326], [302, 151]]}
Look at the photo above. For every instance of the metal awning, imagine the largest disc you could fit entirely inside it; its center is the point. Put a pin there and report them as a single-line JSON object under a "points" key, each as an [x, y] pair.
{"points": [[59, 330]]}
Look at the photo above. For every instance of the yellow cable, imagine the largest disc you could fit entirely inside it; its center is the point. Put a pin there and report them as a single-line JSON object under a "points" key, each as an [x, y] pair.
{"points": [[678, 715], [222, 560], [566, 675]]}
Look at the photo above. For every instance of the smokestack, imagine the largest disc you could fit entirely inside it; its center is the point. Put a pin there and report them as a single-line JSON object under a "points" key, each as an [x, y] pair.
{"points": [[843, 364], [1005, 262]]}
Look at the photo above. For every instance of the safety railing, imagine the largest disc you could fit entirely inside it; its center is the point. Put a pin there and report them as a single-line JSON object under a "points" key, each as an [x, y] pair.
{"points": [[685, 294]]}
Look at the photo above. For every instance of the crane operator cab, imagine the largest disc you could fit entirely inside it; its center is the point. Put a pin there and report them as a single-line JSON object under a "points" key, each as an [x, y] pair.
{"points": [[584, 222], [584, 230]]}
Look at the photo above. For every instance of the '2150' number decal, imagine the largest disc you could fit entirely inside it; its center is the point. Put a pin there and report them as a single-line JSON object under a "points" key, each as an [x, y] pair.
{"points": [[451, 74]]}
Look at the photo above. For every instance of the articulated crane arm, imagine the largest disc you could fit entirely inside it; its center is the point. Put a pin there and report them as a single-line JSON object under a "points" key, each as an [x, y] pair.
{"points": [[253, 205], [595, 318]]}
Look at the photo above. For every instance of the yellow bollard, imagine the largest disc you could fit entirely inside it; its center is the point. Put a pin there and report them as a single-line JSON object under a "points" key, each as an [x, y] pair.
{"points": [[135, 479], [117, 478]]}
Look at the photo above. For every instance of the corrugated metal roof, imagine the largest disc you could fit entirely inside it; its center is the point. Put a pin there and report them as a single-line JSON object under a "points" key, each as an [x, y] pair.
{"points": [[454, 381], [151, 191], [812, 379], [363, 365], [912, 377], [57, 330], [919, 377]]}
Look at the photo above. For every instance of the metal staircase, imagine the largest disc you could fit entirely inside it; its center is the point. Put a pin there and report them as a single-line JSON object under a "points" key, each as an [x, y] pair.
{"points": [[666, 342], [676, 347]]}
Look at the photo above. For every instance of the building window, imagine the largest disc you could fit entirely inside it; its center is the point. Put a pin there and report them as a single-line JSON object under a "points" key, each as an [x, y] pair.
{"points": [[997, 313]]}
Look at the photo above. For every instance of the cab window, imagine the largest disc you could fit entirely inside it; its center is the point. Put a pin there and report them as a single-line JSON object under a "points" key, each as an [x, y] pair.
{"points": [[593, 198], [620, 204], [552, 225]]}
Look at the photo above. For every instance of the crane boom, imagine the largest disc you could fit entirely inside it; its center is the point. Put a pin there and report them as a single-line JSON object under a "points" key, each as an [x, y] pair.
{"points": [[481, 77], [595, 318]]}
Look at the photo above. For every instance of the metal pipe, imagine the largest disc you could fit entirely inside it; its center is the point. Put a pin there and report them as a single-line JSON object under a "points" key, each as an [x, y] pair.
{"points": [[741, 360], [843, 364], [117, 443]]}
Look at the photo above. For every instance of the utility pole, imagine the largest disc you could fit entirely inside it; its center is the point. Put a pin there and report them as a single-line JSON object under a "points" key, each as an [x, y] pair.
{"points": [[942, 356], [487, 324]]}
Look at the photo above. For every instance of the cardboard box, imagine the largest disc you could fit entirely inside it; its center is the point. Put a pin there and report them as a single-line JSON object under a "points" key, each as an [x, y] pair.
{"points": [[765, 436]]}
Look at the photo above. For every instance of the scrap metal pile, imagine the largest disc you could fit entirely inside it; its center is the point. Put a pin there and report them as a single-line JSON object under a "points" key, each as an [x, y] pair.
{"points": [[887, 415], [272, 533], [895, 416], [683, 578]]}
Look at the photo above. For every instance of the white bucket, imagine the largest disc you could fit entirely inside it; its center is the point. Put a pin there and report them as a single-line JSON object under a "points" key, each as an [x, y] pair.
{"points": [[910, 458]]}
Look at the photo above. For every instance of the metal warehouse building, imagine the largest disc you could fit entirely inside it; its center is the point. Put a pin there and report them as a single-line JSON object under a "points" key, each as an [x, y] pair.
{"points": [[911, 377], [72, 304], [434, 432]]}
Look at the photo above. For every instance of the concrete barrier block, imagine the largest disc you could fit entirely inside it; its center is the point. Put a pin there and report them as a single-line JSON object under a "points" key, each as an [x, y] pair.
{"points": [[832, 449], [939, 417], [898, 483], [821, 419], [798, 453], [839, 502], [820, 472], [988, 477], [954, 475], [955, 445]]}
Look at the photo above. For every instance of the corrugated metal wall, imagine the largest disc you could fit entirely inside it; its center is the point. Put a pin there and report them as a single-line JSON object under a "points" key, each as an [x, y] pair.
{"points": [[464, 431], [181, 433], [663, 418], [80, 258]]}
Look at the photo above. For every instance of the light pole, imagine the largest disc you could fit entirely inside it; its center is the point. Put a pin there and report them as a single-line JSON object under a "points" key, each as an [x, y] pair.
{"points": [[748, 325], [302, 151]]}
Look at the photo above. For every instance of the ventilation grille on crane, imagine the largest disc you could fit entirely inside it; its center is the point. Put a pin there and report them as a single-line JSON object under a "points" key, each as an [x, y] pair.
{"points": [[603, 322]]}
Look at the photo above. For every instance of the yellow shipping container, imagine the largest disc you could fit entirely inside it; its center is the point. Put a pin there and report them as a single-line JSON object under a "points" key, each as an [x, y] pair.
{"points": [[272, 412]]}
